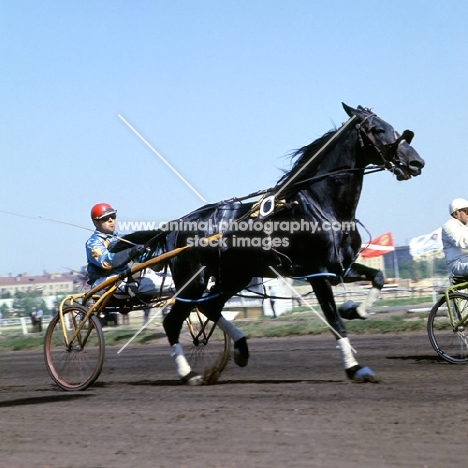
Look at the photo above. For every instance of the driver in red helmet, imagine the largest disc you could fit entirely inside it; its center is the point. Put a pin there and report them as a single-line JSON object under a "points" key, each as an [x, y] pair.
{"points": [[103, 263]]}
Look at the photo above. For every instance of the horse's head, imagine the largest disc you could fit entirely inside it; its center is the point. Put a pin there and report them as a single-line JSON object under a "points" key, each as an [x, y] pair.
{"points": [[387, 147]]}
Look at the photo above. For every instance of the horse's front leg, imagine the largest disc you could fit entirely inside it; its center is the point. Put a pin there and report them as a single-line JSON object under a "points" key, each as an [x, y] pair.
{"points": [[323, 290], [350, 310], [172, 326]]}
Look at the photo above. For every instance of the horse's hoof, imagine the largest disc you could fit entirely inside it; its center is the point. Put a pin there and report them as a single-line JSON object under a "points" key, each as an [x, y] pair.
{"points": [[241, 352], [192, 378], [360, 374], [349, 311]]}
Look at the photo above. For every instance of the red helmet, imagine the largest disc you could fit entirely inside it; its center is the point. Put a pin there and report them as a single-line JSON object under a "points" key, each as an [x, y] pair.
{"points": [[101, 210]]}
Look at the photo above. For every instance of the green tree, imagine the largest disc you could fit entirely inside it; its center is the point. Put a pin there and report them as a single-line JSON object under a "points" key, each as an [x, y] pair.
{"points": [[5, 310], [440, 267], [24, 302], [420, 269]]}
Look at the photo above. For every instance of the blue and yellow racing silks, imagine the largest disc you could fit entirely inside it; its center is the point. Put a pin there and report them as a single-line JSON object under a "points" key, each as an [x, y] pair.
{"points": [[100, 258]]}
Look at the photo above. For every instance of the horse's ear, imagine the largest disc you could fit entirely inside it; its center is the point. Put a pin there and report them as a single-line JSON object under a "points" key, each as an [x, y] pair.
{"points": [[349, 110]]}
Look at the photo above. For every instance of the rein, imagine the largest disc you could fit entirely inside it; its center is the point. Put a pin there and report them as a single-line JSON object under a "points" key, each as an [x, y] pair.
{"points": [[371, 170]]}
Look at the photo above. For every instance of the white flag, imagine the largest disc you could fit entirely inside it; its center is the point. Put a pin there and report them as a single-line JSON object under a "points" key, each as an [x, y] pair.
{"points": [[425, 244]]}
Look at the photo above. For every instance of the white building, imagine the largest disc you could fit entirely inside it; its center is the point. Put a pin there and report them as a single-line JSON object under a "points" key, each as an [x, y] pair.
{"points": [[48, 284]]}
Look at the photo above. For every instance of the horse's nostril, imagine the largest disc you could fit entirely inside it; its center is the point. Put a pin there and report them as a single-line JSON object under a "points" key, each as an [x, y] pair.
{"points": [[417, 164]]}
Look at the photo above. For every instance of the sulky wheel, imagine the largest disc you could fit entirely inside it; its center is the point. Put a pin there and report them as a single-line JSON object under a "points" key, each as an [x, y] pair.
{"points": [[448, 336], [207, 348], [76, 365]]}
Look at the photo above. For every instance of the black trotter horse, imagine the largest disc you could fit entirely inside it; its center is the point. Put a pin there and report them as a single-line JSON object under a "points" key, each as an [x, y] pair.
{"points": [[303, 227]]}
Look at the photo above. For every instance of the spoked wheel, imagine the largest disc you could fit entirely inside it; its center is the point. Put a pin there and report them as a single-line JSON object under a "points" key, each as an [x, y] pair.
{"points": [[450, 342], [206, 347], [77, 365]]}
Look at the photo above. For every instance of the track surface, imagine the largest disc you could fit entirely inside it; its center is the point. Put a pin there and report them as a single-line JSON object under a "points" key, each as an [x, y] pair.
{"points": [[291, 407]]}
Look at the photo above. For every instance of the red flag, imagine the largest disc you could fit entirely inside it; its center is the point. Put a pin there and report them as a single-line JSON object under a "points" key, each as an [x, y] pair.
{"points": [[379, 246]]}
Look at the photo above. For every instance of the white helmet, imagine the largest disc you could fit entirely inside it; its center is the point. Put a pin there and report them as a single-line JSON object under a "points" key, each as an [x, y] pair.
{"points": [[457, 204]]}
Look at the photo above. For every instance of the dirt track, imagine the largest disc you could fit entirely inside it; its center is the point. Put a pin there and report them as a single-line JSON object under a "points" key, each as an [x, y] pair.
{"points": [[291, 407]]}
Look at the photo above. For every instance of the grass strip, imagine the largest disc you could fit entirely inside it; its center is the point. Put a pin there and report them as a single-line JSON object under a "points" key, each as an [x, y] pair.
{"points": [[289, 325]]}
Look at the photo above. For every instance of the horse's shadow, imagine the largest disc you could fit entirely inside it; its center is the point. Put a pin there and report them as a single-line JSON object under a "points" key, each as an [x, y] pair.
{"points": [[42, 400], [420, 358], [171, 383]]}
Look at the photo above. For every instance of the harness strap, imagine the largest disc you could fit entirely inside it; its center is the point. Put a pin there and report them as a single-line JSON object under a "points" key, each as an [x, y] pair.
{"points": [[197, 301]]}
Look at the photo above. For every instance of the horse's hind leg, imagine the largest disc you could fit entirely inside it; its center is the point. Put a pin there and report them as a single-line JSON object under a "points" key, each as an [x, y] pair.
{"points": [[241, 349], [213, 310], [350, 310], [354, 371]]}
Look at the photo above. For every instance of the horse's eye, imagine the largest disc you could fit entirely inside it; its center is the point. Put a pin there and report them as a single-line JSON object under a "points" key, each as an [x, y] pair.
{"points": [[378, 130]]}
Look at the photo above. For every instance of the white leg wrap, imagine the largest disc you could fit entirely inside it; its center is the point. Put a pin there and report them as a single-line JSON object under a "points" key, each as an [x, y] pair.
{"points": [[182, 366], [346, 352], [230, 329], [369, 301]]}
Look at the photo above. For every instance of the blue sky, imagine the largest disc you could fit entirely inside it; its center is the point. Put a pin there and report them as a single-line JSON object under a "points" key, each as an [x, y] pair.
{"points": [[223, 90]]}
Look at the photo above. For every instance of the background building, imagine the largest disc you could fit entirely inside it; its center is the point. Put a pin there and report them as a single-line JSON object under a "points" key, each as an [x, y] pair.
{"points": [[48, 283]]}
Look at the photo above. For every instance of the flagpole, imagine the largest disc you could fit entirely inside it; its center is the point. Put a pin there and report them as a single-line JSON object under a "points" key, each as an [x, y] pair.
{"points": [[434, 294], [395, 265]]}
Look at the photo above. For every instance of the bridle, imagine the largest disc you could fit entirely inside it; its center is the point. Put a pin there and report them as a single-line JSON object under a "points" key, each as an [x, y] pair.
{"points": [[389, 152]]}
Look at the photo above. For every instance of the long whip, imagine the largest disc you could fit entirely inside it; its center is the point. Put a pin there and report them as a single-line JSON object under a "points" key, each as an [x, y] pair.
{"points": [[82, 227]]}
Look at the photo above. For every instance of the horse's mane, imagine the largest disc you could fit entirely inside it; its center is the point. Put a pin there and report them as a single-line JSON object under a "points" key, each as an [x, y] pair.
{"points": [[303, 168]]}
